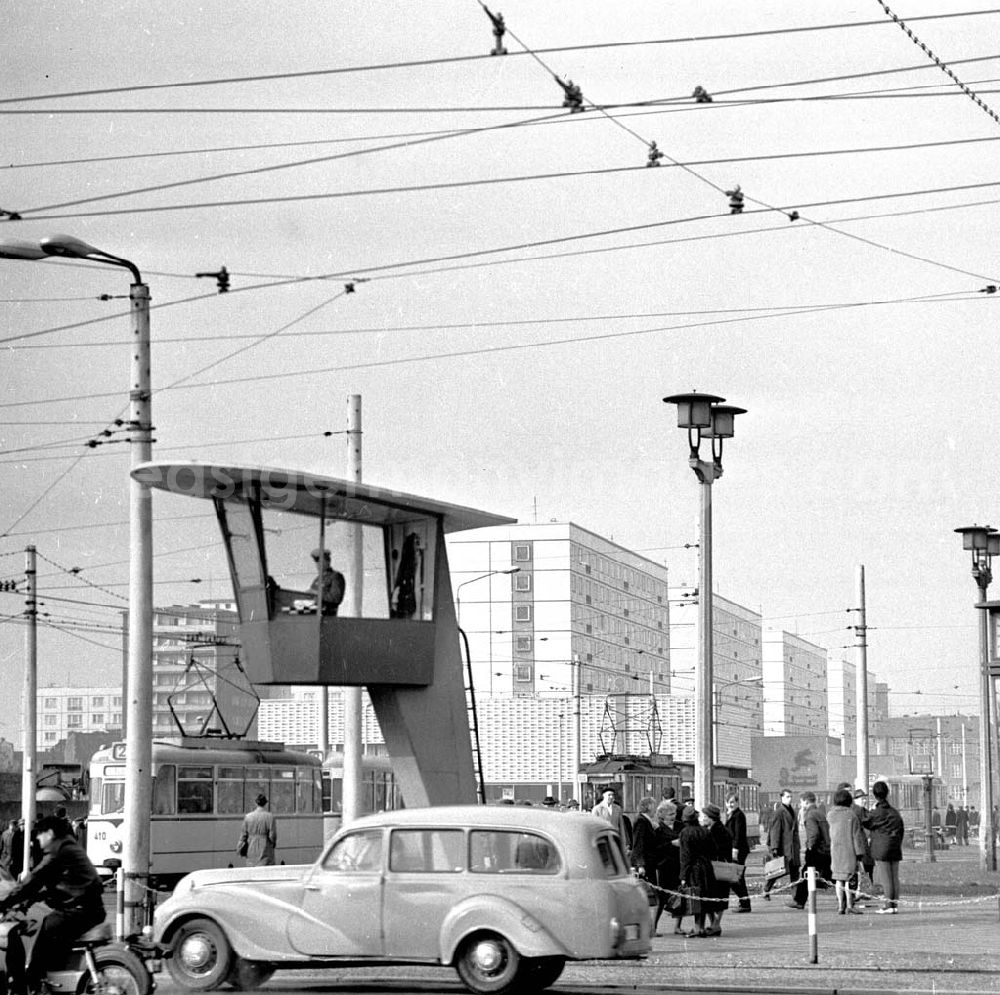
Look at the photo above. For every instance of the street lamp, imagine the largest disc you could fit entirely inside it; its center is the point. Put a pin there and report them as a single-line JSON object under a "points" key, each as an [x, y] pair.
{"points": [[139, 674], [984, 543], [704, 416]]}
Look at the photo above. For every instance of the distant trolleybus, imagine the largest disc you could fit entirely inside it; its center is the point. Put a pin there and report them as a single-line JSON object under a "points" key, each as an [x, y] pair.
{"points": [[202, 788]]}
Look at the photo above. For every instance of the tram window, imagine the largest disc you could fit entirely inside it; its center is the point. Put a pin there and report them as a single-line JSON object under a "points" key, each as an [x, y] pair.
{"points": [[304, 790], [194, 790], [258, 782], [229, 791], [165, 790], [282, 797], [113, 797], [95, 795]]}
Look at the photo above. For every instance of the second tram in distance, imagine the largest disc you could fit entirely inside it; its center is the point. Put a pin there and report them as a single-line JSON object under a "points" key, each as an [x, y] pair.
{"points": [[636, 777]]}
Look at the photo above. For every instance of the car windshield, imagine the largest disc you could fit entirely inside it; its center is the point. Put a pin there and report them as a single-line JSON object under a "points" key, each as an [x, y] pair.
{"points": [[361, 851]]}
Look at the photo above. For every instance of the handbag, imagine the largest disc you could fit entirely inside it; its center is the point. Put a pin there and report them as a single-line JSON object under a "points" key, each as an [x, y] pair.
{"points": [[774, 869], [726, 872], [242, 847]]}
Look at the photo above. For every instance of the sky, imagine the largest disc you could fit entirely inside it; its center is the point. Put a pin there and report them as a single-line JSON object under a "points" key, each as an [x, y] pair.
{"points": [[526, 290]]}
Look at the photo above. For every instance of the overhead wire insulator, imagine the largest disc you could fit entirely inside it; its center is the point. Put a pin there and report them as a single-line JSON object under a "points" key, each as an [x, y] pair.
{"points": [[572, 95], [654, 155], [735, 200], [221, 277], [499, 30], [701, 95]]}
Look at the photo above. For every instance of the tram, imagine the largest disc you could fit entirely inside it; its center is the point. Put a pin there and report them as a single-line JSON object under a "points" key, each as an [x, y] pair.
{"points": [[202, 788], [379, 788], [636, 777]]}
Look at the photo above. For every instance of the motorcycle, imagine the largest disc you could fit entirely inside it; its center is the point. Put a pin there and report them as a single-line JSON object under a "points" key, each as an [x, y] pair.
{"points": [[96, 965]]}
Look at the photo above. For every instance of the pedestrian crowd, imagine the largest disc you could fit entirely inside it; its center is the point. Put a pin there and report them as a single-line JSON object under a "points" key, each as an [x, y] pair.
{"points": [[693, 859]]}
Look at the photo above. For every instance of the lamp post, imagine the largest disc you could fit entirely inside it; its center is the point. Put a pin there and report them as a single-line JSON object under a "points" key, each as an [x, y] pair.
{"points": [[705, 417], [984, 543], [139, 674]]}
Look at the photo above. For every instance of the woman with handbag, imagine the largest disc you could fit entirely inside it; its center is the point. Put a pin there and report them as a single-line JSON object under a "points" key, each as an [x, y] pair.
{"points": [[722, 845], [697, 880]]}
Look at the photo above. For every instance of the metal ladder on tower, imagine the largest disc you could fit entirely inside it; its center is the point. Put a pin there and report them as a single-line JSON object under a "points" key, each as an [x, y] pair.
{"points": [[470, 705]]}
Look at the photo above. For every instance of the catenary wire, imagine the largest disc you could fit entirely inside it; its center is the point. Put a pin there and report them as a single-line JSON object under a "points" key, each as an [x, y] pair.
{"points": [[562, 120], [469, 58]]}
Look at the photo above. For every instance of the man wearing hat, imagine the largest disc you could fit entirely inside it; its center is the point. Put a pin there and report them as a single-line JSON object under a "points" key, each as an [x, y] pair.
{"points": [[68, 883], [328, 583], [549, 802]]}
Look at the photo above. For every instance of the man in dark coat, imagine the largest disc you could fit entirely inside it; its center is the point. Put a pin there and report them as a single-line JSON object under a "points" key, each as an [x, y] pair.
{"points": [[814, 840], [68, 883], [736, 823], [962, 826], [886, 830], [783, 839]]}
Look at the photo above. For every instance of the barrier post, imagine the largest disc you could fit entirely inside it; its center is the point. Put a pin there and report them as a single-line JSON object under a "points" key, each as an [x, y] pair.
{"points": [[120, 904], [811, 907]]}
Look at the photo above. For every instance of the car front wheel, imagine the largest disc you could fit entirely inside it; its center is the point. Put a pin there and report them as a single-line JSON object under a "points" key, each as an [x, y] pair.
{"points": [[202, 957], [488, 964]]}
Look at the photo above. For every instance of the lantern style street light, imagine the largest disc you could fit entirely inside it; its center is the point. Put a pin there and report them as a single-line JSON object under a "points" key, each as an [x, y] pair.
{"points": [[139, 673], [983, 541], [704, 416]]}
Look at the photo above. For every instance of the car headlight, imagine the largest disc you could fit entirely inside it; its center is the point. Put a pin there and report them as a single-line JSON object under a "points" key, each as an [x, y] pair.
{"points": [[116, 846]]}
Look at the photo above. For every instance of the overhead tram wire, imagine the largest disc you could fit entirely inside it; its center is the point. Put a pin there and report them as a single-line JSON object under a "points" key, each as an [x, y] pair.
{"points": [[605, 110], [500, 323], [156, 188], [270, 77], [454, 354], [416, 134], [477, 254]]}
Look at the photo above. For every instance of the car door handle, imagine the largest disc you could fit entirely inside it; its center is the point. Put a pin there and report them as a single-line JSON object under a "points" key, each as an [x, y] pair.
{"points": [[310, 887]]}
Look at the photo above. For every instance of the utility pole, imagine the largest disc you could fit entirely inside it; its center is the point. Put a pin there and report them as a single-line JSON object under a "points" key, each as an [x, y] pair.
{"points": [[965, 772], [577, 727], [352, 695], [940, 758], [29, 709], [861, 681]]}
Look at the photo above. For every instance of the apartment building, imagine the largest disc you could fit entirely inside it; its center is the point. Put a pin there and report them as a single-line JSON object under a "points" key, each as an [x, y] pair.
{"points": [[547, 605]]}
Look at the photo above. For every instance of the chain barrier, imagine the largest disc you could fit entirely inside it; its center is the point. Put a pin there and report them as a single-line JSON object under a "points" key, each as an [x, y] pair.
{"points": [[858, 894]]}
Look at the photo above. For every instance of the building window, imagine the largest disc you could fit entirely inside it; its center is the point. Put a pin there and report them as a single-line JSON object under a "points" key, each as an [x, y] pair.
{"points": [[116, 718], [97, 702], [523, 644], [97, 719], [51, 720], [49, 737], [51, 703], [522, 582], [116, 702], [522, 673], [522, 552], [74, 721], [522, 613], [74, 704]]}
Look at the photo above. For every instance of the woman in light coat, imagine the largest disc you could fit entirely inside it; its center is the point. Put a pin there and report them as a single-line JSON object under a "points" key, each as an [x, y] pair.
{"points": [[847, 846]]}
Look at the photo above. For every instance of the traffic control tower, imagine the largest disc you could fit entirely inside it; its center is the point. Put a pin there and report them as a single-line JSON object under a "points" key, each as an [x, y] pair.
{"points": [[347, 583]]}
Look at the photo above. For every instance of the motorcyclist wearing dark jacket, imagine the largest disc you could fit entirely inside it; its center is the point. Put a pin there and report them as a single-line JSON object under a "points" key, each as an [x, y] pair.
{"points": [[68, 883]]}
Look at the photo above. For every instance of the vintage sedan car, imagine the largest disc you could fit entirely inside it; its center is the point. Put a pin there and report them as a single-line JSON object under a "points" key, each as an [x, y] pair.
{"points": [[506, 895]]}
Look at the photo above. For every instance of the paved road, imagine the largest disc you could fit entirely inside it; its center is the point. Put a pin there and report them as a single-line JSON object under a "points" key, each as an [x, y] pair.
{"points": [[948, 945]]}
